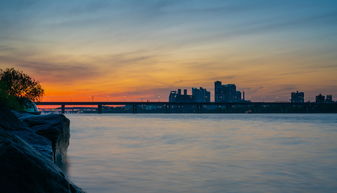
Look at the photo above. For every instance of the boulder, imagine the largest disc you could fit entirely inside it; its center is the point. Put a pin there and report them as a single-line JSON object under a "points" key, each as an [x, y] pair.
{"points": [[33, 153], [9, 121], [38, 142], [25, 170], [56, 129]]}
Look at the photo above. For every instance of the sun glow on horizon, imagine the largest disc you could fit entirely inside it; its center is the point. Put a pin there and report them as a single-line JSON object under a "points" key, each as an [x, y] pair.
{"points": [[131, 50]]}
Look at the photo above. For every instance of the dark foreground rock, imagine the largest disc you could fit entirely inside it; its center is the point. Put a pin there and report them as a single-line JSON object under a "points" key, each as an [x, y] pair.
{"points": [[8, 120], [32, 153], [24, 170], [56, 129]]}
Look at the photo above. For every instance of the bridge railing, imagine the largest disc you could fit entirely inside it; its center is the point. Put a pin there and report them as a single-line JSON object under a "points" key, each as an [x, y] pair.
{"points": [[210, 107]]}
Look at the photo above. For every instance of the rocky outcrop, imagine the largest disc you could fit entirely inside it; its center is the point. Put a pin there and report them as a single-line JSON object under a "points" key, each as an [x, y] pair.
{"points": [[8, 120], [56, 129], [25, 170], [33, 153]]}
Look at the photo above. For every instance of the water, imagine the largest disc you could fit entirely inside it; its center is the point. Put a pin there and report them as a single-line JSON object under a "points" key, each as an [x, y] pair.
{"points": [[176, 153]]}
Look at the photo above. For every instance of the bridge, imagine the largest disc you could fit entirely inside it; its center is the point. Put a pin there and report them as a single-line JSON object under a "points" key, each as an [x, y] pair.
{"points": [[208, 107]]}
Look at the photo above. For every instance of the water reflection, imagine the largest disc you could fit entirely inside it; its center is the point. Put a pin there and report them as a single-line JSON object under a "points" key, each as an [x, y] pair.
{"points": [[204, 153]]}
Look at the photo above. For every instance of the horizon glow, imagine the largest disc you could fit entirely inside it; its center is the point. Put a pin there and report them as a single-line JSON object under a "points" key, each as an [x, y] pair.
{"points": [[130, 50]]}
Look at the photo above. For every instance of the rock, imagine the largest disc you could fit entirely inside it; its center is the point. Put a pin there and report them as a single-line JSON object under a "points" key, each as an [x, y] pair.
{"points": [[56, 129], [25, 170], [38, 142], [33, 153], [9, 121]]}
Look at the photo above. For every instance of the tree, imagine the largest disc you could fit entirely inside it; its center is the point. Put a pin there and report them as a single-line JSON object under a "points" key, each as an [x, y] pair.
{"points": [[8, 101], [18, 84]]}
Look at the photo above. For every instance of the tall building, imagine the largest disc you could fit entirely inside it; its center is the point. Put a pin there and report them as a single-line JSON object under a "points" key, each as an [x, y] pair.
{"points": [[226, 93], [297, 97], [328, 99], [320, 98], [173, 96], [201, 95], [177, 96]]}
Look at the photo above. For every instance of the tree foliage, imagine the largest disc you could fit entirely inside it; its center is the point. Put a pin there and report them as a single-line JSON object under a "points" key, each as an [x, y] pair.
{"points": [[8, 101], [18, 84]]}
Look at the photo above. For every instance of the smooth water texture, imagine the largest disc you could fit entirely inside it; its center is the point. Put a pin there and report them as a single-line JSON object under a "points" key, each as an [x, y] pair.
{"points": [[192, 153]]}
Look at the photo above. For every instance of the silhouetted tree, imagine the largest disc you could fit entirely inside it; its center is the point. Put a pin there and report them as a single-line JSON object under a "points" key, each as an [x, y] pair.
{"points": [[18, 84], [8, 101]]}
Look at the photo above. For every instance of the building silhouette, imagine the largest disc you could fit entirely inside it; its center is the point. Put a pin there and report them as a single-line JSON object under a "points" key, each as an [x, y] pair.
{"points": [[227, 93], [297, 97], [177, 96], [199, 95], [320, 98], [324, 99], [328, 99]]}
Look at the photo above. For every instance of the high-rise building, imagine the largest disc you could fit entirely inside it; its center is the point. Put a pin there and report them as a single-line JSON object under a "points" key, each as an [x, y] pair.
{"points": [[226, 93], [320, 98], [176, 96], [173, 95], [218, 91], [297, 97], [328, 99], [201, 95]]}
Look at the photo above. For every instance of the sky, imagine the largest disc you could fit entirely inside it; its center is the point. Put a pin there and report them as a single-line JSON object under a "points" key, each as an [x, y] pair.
{"points": [[135, 50]]}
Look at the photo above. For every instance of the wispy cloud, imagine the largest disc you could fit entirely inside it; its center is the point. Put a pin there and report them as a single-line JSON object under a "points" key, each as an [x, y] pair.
{"points": [[142, 47]]}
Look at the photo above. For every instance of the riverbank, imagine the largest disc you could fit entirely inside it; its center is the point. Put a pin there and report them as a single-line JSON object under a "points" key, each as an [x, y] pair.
{"points": [[33, 153]]}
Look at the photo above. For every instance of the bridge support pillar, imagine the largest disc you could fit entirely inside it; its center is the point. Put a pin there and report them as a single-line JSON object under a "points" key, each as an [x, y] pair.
{"points": [[199, 107], [307, 107], [63, 108], [99, 109], [134, 108], [228, 108], [167, 108]]}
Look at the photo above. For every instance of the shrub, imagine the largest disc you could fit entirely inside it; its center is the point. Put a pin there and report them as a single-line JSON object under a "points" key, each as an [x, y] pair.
{"points": [[18, 84], [16, 88]]}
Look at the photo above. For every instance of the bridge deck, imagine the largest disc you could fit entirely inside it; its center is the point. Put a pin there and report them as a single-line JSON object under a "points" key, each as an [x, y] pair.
{"points": [[210, 107], [171, 103]]}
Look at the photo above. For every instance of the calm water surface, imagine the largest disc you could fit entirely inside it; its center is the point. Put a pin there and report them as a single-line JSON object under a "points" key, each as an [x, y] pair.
{"points": [[175, 153]]}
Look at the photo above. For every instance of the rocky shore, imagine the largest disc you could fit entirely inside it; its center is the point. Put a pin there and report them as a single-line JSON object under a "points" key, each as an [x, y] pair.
{"points": [[33, 153]]}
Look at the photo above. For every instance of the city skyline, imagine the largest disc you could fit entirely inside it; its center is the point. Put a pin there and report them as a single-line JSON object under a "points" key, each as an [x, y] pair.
{"points": [[132, 50]]}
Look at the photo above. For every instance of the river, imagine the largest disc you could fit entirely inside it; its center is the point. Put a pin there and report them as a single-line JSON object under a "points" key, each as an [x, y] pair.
{"points": [[203, 153]]}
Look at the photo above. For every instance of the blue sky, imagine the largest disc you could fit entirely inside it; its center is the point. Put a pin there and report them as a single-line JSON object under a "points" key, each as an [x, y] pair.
{"points": [[268, 48]]}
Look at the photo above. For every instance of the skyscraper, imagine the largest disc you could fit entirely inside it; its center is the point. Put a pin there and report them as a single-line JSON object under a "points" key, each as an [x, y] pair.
{"points": [[226, 93], [297, 97], [328, 99], [177, 96], [201, 95], [320, 98]]}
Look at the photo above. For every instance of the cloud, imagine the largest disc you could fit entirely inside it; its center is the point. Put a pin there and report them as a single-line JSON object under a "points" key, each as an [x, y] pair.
{"points": [[69, 69], [52, 70], [250, 28], [170, 43], [56, 73], [154, 94], [4, 48]]}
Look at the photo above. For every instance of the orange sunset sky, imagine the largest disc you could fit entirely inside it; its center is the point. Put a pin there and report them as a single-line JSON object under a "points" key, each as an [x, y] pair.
{"points": [[141, 50]]}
